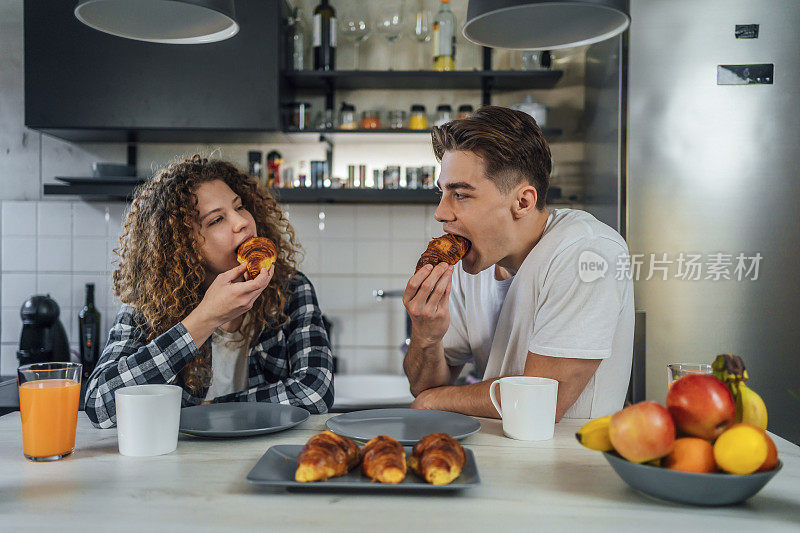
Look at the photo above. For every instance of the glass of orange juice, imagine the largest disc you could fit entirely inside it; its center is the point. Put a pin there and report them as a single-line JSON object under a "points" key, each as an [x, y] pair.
{"points": [[676, 371], [48, 406]]}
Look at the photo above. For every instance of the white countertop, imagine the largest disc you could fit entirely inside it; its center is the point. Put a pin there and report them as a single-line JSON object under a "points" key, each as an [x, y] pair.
{"points": [[555, 484]]}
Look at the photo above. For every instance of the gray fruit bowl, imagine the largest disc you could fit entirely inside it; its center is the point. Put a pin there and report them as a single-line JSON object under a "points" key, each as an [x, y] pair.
{"points": [[687, 487]]}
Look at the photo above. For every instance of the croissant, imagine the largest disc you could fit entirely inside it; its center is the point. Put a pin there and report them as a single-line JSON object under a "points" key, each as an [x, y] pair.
{"points": [[258, 253], [384, 460], [326, 455], [437, 458], [448, 248]]}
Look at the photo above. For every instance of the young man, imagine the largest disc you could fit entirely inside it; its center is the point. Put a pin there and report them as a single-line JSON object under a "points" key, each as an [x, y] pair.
{"points": [[536, 295]]}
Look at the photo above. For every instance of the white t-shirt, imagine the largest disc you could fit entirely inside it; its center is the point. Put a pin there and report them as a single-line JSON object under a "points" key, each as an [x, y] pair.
{"points": [[228, 364], [553, 306]]}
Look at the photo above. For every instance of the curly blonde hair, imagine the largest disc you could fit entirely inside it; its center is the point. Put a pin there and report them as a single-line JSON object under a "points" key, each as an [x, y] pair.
{"points": [[160, 267]]}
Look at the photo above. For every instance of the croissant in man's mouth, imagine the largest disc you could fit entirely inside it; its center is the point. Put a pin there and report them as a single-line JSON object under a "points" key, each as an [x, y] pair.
{"points": [[258, 253], [448, 248]]}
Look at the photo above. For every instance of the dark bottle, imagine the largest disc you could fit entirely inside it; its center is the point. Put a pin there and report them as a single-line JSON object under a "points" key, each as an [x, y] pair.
{"points": [[89, 332], [324, 37]]}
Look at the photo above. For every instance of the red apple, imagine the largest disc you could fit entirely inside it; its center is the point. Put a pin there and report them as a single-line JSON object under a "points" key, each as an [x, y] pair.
{"points": [[642, 432], [701, 405]]}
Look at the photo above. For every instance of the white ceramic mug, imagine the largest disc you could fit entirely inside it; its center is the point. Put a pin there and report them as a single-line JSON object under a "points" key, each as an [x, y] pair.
{"points": [[148, 417], [529, 406]]}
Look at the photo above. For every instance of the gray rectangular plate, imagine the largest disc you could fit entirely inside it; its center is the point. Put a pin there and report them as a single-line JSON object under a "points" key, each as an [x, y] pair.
{"points": [[276, 468]]}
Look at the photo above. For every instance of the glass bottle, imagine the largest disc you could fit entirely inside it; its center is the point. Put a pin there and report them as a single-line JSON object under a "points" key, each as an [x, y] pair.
{"points": [[297, 39], [89, 332], [324, 37], [444, 38], [444, 114], [347, 117]]}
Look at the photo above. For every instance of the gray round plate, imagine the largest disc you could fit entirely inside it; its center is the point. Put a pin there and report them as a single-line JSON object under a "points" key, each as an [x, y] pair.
{"points": [[239, 419], [689, 488], [407, 426]]}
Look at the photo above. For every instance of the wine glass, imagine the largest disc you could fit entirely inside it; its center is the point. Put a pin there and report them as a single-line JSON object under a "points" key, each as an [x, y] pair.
{"points": [[422, 29], [354, 26], [389, 23]]}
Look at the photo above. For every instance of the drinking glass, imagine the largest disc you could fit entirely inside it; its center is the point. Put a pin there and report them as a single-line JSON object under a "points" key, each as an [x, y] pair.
{"points": [[48, 408], [422, 31], [354, 26], [389, 23], [676, 371]]}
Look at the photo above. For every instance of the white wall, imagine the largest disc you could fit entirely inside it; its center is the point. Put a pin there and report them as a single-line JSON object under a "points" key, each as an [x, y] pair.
{"points": [[57, 244]]}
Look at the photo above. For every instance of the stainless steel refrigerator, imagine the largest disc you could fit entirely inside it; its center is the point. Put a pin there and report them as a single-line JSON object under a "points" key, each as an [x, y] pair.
{"points": [[713, 173]]}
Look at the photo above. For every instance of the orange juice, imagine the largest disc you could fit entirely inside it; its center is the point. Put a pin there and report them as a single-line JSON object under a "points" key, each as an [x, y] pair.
{"points": [[49, 412]]}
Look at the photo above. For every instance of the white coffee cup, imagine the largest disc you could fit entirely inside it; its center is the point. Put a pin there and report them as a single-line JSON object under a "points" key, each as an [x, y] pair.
{"points": [[148, 417], [529, 406]]}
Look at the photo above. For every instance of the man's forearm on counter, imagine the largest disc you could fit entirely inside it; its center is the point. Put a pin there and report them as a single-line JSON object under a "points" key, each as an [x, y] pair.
{"points": [[426, 366], [472, 400]]}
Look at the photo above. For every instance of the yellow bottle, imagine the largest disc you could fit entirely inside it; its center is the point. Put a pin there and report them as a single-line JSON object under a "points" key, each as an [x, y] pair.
{"points": [[444, 38]]}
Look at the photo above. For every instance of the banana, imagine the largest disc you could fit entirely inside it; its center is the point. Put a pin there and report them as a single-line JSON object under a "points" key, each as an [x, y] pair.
{"points": [[750, 407], [594, 435]]}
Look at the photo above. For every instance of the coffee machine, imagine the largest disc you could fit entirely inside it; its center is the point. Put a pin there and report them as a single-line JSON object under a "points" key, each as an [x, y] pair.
{"points": [[43, 338]]}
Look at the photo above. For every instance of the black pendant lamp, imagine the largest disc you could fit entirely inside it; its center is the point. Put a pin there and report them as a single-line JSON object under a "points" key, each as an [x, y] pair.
{"points": [[544, 24], [161, 21]]}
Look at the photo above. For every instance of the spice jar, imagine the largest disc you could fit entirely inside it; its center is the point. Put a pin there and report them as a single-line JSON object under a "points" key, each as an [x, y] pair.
{"points": [[297, 115], [444, 114], [397, 119], [464, 111], [418, 119], [347, 117], [370, 120]]}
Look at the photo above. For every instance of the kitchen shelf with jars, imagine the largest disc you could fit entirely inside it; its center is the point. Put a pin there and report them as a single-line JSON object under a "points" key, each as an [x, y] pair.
{"points": [[312, 67]]}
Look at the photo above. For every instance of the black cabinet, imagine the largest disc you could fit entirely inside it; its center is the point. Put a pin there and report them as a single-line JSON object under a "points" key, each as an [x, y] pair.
{"points": [[84, 85]]}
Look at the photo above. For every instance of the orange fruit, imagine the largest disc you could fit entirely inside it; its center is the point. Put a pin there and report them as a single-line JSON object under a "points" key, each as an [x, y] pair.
{"points": [[690, 454], [741, 449], [772, 455]]}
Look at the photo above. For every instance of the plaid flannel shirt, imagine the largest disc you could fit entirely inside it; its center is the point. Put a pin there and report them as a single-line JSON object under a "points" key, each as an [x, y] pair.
{"points": [[291, 364]]}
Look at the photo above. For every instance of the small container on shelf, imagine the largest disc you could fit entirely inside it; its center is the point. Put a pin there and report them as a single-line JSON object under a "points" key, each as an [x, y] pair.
{"points": [[412, 178], [370, 120], [418, 119], [444, 114], [324, 120], [397, 119], [347, 117], [391, 177], [297, 115], [464, 111], [377, 179], [427, 177]]}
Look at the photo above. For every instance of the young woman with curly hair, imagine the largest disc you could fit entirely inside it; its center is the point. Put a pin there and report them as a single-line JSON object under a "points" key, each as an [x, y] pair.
{"points": [[188, 318]]}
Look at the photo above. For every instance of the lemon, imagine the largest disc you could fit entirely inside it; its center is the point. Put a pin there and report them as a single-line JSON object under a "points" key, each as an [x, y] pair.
{"points": [[741, 449]]}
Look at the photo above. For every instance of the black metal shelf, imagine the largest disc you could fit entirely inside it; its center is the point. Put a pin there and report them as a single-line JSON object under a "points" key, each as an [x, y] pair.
{"points": [[548, 132], [502, 80], [117, 191], [111, 190]]}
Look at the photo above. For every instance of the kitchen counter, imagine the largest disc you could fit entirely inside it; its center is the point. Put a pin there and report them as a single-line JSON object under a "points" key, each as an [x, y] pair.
{"points": [[555, 484]]}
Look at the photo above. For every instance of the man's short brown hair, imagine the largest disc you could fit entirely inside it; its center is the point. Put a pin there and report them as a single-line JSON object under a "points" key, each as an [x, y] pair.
{"points": [[510, 143]]}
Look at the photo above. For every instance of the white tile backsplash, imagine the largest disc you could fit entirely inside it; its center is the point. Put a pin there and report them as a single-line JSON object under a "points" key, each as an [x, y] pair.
{"points": [[374, 257], [19, 218], [58, 286], [8, 359], [338, 257], [19, 254], [11, 325], [89, 255], [89, 219], [55, 254], [405, 256], [55, 219], [339, 222], [372, 222], [408, 223], [16, 288]]}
